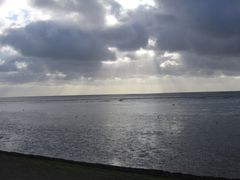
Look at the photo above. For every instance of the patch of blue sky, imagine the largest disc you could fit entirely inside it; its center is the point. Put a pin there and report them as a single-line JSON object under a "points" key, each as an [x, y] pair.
{"points": [[24, 16]]}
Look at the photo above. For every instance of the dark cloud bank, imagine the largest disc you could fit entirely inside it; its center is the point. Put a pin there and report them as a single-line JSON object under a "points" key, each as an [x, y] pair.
{"points": [[206, 33]]}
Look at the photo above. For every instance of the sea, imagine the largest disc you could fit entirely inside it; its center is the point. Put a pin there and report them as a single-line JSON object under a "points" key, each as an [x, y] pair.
{"points": [[192, 133]]}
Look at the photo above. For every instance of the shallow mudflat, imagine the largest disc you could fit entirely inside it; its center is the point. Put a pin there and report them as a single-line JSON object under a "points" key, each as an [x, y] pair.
{"points": [[14, 166]]}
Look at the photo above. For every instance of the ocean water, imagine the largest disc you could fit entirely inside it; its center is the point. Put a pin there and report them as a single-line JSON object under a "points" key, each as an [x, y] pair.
{"points": [[196, 133]]}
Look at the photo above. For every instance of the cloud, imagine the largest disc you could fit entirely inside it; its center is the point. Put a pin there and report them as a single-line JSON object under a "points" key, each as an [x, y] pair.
{"points": [[217, 18], [114, 6], [53, 40], [126, 37], [90, 12], [205, 36], [204, 27]]}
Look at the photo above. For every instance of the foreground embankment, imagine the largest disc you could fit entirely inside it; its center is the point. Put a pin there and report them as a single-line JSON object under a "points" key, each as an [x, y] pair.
{"points": [[15, 166]]}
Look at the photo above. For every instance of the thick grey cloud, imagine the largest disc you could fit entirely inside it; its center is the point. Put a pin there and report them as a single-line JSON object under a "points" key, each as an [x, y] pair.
{"points": [[206, 27], [51, 47], [217, 18], [53, 40], [16, 69], [126, 37], [57, 41]]}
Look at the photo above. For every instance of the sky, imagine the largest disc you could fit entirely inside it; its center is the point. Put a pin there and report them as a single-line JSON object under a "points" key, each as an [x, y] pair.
{"points": [[75, 47]]}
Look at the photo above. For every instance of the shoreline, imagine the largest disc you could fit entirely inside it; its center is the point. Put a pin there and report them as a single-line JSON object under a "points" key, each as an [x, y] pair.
{"points": [[26, 166]]}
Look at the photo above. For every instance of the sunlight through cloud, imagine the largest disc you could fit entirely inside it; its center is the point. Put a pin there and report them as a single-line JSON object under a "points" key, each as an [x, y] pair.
{"points": [[133, 4]]}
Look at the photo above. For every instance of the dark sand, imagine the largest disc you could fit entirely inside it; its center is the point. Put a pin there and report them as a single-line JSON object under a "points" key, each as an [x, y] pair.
{"points": [[14, 166]]}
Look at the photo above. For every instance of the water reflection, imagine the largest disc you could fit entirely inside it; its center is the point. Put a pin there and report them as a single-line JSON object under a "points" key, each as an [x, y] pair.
{"points": [[190, 135]]}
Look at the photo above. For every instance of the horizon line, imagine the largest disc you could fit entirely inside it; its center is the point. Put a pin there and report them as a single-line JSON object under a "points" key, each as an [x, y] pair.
{"points": [[122, 94]]}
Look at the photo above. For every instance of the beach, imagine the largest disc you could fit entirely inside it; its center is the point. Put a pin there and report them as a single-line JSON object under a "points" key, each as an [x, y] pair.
{"points": [[16, 166]]}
